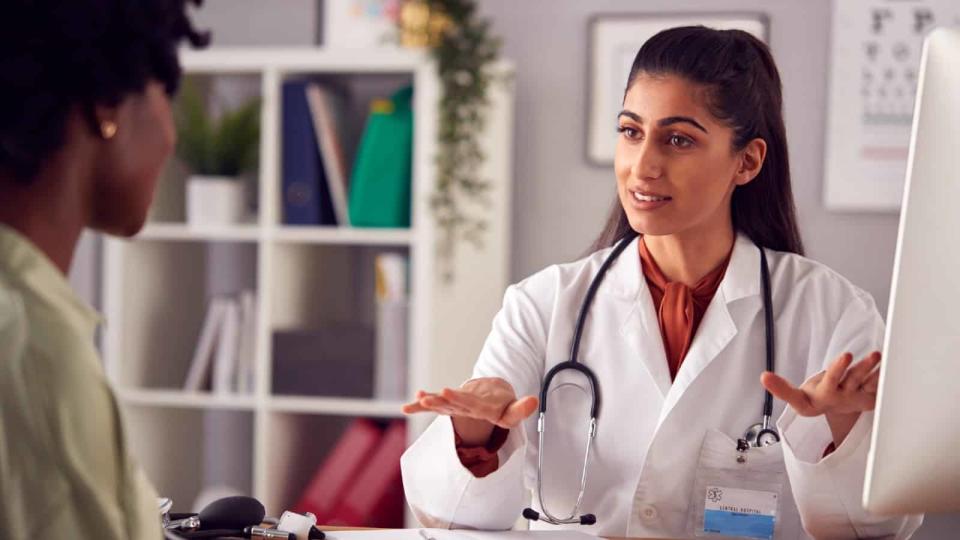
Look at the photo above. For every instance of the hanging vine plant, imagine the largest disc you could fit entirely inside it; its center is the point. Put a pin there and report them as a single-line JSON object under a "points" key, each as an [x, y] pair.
{"points": [[464, 49]]}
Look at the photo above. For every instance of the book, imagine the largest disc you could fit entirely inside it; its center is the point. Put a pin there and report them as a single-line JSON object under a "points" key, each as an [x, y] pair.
{"points": [[392, 326], [324, 113], [225, 362], [380, 186], [199, 372], [335, 359], [305, 197], [374, 496], [246, 353], [339, 469]]}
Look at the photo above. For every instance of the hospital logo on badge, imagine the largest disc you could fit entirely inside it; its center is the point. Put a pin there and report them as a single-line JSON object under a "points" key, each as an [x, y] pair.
{"points": [[715, 494]]}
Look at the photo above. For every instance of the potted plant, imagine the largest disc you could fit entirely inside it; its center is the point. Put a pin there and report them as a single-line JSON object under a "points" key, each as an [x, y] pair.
{"points": [[217, 152], [464, 48]]}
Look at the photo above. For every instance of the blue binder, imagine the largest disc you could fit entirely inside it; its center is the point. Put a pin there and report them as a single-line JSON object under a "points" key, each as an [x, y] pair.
{"points": [[306, 197]]}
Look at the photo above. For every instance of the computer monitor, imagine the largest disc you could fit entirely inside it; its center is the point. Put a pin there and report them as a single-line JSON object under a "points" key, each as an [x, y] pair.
{"points": [[914, 460]]}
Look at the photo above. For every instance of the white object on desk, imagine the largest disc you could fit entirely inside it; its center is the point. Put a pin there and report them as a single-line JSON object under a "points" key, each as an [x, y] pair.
{"points": [[298, 524]]}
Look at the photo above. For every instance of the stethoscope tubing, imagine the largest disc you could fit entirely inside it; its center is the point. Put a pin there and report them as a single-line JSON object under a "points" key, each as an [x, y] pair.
{"points": [[574, 364]]}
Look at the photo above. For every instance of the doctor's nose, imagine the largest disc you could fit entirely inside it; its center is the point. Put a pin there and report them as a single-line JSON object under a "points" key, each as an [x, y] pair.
{"points": [[647, 164]]}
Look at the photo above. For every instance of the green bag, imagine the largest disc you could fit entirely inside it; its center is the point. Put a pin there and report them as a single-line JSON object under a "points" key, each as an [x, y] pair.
{"points": [[380, 184]]}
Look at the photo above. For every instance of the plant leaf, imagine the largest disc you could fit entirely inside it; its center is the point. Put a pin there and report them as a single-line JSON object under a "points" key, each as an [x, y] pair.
{"points": [[193, 130], [237, 139]]}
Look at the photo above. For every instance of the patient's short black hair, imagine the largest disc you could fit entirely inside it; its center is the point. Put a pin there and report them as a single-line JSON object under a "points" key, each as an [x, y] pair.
{"points": [[58, 54]]}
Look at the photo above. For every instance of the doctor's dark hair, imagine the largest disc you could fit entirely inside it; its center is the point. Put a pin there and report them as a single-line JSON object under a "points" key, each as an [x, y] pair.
{"points": [[743, 90], [56, 55]]}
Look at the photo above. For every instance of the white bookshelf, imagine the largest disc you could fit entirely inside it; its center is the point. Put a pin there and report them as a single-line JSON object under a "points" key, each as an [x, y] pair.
{"points": [[186, 400], [156, 287]]}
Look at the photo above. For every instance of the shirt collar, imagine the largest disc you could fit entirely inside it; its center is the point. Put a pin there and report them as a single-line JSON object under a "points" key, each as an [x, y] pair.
{"points": [[24, 264], [743, 272], [740, 280], [704, 288]]}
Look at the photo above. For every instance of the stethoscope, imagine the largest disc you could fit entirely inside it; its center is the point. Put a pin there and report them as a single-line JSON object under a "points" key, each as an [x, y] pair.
{"points": [[760, 434]]}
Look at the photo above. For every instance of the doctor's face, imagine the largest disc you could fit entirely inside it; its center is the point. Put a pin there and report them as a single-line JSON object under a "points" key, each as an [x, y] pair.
{"points": [[675, 165]]}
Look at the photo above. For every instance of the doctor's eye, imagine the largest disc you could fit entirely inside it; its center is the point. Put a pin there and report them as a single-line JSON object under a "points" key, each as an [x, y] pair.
{"points": [[679, 141], [628, 132]]}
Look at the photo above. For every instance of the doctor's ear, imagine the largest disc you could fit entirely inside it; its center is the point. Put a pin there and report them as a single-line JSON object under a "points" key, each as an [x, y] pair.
{"points": [[751, 161]]}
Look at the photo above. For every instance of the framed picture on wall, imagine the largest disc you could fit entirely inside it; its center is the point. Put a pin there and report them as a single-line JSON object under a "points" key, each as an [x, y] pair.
{"points": [[363, 24], [614, 42], [874, 73]]}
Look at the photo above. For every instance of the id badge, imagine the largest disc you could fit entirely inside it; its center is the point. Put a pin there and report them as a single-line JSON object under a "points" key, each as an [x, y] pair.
{"points": [[745, 513], [735, 494]]}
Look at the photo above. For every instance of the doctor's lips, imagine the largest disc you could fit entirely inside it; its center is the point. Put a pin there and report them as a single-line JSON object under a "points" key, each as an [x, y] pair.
{"points": [[648, 200]]}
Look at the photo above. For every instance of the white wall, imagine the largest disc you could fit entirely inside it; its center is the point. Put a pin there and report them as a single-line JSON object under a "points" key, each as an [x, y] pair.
{"points": [[259, 22]]}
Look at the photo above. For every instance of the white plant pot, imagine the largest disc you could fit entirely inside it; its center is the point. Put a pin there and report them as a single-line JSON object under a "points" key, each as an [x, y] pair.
{"points": [[215, 200]]}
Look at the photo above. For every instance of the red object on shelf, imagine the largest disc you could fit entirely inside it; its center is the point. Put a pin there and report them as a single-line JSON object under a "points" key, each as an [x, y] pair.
{"points": [[339, 471], [374, 497]]}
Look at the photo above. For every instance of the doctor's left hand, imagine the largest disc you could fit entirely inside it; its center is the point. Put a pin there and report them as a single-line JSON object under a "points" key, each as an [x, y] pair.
{"points": [[841, 392]]}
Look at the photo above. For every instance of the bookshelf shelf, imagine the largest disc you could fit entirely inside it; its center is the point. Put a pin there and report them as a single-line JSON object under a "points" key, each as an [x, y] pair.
{"points": [[286, 60], [285, 234], [158, 286], [345, 236], [336, 406], [188, 400], [180, 231]]}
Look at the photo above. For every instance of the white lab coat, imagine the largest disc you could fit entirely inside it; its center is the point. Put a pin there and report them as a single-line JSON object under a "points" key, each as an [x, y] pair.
{"points": [[651, 431]]}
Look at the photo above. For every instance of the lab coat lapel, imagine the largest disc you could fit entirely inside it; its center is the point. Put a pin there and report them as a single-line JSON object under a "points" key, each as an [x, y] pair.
{"points": [[717, 328], [640, 328]]}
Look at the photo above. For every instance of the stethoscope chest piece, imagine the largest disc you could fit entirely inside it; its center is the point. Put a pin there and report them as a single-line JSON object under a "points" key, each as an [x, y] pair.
{"points": [[758, 435]]}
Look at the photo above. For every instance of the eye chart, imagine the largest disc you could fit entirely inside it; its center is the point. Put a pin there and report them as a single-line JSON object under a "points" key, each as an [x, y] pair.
{"points": [[875, 65]]}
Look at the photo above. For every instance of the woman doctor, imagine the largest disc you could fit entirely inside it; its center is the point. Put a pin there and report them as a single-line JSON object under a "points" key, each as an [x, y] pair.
{"points": [[676, 335]]}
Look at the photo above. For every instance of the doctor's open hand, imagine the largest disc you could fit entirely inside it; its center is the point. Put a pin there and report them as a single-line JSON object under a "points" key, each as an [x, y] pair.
{"points": [[477, 407], [841, 392]]}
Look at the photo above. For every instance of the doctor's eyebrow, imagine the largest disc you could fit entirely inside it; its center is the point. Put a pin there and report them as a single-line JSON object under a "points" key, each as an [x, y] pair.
{"points": [[664, 122]]}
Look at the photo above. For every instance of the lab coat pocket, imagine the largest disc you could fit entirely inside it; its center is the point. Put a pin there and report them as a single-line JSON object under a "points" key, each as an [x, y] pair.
{"points": [[737, 494]]}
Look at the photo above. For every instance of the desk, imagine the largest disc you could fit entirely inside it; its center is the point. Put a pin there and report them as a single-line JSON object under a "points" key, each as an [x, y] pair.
{"points": [[335, 528]]}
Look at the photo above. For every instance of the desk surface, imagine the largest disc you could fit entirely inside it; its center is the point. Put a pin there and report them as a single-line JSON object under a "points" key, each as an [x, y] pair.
{"points": [[335, 528]]}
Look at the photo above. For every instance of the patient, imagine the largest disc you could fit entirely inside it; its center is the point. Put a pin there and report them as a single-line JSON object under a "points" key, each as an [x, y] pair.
{"points": [[85, 127]]}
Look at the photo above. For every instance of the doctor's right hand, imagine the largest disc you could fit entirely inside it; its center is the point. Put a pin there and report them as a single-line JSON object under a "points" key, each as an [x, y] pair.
{"points": [[477, 407]]}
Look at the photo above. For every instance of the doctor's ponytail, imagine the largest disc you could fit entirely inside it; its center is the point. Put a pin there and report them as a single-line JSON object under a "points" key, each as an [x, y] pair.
{"points": [[744, 91]]}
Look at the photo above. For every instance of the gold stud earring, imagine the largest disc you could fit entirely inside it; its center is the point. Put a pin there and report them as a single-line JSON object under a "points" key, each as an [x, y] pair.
{"points": [[108, 129]]}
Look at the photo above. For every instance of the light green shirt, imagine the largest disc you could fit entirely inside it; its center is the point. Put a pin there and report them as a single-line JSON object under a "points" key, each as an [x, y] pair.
{"points": [[65, 470]]}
